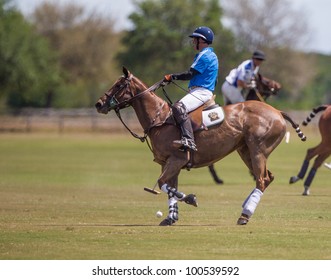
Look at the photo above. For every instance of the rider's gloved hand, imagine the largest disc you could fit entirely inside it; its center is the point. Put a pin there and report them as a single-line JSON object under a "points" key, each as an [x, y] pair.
{"points": [[167, 78], [252, 84]]}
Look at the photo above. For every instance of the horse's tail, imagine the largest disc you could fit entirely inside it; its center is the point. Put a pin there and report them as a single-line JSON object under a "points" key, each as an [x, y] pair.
{"points": [[294, 125], [313, 113]]}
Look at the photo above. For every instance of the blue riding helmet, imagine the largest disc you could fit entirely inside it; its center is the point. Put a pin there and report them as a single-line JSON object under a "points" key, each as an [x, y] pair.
{"points": [[203, 32]]}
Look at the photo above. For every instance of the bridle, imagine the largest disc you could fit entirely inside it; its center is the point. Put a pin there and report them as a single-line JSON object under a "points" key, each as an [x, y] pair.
{"points": [[116, 105], [262, 90]]}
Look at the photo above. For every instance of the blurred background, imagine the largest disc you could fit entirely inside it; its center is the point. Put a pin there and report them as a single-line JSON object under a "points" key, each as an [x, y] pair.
{"points": [[58, 57]]}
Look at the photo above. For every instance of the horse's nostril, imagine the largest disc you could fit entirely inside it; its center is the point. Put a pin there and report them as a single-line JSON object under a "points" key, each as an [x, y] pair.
{"points": [[98, 105]]}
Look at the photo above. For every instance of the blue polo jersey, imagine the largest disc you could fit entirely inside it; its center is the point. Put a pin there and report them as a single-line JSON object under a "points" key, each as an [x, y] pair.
{"points": [[206, 63]]}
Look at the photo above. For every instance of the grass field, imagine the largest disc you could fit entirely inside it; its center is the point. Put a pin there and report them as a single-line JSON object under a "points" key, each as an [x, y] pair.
{"points": [[80, 196]]}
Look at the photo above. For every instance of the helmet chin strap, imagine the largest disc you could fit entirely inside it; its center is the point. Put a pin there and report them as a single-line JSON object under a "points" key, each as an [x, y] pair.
{"points": [[197, 45]]}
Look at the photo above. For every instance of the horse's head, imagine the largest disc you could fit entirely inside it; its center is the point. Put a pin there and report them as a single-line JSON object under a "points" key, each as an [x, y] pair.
{"points": [[118, 95], [267, 86]]}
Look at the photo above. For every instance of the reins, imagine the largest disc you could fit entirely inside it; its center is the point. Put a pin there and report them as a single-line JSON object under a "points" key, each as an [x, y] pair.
{"points": [[260, 90], [135, 135], [126, 103], [154, 87], [259, 95], [167, 96]]}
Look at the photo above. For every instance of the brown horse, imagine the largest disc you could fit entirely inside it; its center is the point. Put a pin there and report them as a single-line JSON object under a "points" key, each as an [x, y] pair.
{"points": [[262, 89], [253, 129], [322, 151]]}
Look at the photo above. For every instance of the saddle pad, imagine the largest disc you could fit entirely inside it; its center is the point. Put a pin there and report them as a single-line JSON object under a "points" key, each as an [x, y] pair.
{"points": [[212, 116]]}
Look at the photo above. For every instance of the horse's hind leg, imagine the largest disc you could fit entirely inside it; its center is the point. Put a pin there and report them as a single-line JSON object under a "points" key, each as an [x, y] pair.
{"points": [[245, 156], [264, 177], [213, 173]]}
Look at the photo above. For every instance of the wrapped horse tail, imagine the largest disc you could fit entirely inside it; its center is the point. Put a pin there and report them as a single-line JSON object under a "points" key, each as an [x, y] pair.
{"points": [[294, 125], [313, 113]]}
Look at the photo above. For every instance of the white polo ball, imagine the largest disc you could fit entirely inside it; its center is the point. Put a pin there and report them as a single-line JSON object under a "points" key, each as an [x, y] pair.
{"points": [[159, 214]]}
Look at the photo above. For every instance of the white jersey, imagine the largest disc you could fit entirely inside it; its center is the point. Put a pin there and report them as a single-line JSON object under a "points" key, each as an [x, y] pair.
{"points": [[243, 72]]}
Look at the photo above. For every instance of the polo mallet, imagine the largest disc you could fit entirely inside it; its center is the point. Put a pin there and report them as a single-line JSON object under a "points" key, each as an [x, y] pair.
{"points": [[153, 191]]}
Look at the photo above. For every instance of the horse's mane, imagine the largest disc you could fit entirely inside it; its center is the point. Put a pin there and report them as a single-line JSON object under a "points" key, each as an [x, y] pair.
{"points": [[139, 82]]}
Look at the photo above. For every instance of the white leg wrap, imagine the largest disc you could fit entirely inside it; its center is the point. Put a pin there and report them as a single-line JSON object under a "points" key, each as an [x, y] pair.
{"points": [[172, 201], [173, 209], [164, 188], [172, 192], [251, 202]]}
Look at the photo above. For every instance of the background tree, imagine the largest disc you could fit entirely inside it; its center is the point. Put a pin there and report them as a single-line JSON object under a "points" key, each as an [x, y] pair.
{"points": [[62, 56], [319, 91], [277, 28], [28, 68], [86, 44], [159, 44]]}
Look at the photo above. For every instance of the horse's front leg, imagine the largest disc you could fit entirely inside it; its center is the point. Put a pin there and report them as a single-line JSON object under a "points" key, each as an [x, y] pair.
{"points": [[311, 153], [317, 163], [301, 174], [168, 182]]}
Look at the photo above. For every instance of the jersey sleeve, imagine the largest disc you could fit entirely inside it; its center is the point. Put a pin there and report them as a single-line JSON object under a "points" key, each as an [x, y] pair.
{"points": [[200, 64]]}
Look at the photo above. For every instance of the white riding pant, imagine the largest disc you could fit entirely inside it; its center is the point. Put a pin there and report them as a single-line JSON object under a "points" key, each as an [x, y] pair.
{"points": [[231, 94], [195, 98]]}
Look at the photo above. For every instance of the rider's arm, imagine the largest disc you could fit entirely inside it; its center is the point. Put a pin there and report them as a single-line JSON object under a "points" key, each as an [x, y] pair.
{"points": [[187, 75], [241, 84]]}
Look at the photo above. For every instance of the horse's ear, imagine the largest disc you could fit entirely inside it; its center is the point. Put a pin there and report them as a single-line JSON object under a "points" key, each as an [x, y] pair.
{"points": [[126, 72]]}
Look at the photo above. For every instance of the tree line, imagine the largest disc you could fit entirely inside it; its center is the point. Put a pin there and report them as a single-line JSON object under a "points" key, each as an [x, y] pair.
{"points": [[62, 56]]}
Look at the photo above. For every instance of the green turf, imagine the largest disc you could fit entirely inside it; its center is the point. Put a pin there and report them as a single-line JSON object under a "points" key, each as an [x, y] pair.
{"points": [[80, 196]]}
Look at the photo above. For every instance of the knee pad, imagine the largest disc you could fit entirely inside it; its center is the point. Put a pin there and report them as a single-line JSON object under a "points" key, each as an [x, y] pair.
{"points": [[179, 112]]}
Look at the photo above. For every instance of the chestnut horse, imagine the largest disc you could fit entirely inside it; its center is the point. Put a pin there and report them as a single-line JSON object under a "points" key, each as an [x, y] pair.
{"points": [[262, 89], [253, 129], [322, 151]]}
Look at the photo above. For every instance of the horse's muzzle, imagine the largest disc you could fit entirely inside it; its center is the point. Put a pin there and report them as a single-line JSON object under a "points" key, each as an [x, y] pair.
{"points": [[100, 107]]}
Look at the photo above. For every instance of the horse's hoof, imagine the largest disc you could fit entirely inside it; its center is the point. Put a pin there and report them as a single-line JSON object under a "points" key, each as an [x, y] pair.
{"points": [[294, 179], [167, 222], [190, 199], [242, 221], [219, 181], [306, 192]]}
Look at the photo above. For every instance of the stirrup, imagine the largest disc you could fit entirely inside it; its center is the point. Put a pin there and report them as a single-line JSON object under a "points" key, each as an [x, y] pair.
{"points": [[185, 143]]}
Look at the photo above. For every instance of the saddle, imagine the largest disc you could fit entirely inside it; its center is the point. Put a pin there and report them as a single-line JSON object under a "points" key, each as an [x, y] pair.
{"points": [[207, 115], [203, 117]]}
